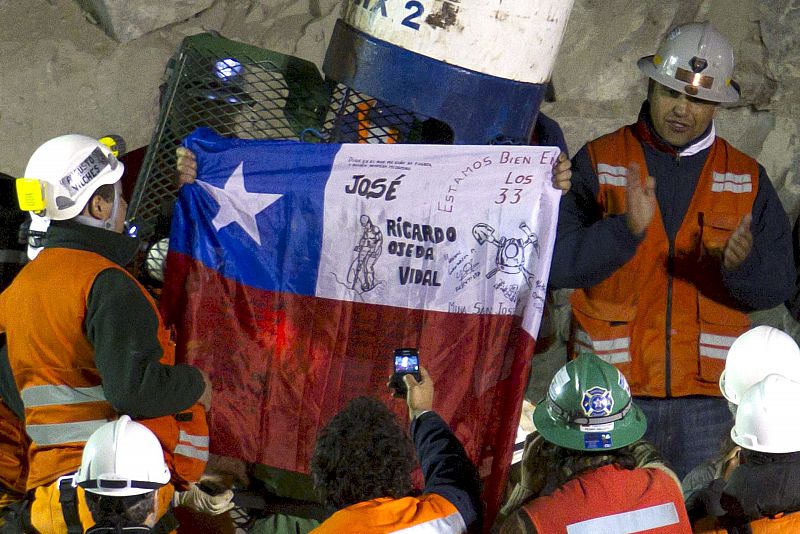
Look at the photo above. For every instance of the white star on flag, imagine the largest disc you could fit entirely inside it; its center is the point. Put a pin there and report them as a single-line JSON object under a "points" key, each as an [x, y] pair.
{"points": [[237, 205]]}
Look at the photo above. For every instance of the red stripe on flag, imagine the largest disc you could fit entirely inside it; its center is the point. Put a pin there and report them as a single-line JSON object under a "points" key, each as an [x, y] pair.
{"points": [[282, 365]]}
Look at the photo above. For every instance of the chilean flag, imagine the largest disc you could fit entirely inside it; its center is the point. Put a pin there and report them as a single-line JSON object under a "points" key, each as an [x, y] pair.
{"points": [[295, 270]]}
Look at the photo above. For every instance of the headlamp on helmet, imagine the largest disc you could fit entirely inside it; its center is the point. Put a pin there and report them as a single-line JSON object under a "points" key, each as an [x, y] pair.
{"points": [[696, 60], [63, 174]]}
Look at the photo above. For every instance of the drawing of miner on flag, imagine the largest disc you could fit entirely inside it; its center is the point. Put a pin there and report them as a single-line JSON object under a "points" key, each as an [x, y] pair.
{"points": [[295, 270]]}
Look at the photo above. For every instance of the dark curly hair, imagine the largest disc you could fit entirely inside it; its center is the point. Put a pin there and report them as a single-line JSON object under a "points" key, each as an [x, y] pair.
{"points": [[128, 511], [362, 454]]}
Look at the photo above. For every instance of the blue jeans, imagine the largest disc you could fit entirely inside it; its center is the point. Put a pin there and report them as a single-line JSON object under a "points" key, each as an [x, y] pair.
{"points": [[687, 431]]}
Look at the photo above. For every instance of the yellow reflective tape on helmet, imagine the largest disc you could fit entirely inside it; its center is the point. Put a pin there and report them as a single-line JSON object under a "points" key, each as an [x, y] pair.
{"points": [[30, 194]]}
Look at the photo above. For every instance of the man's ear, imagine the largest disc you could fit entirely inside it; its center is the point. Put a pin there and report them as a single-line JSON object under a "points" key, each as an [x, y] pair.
{"points": [[97, 208]]}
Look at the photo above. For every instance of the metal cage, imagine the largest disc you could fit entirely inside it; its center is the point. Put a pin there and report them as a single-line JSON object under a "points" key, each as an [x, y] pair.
{"points": [[248, 92]]}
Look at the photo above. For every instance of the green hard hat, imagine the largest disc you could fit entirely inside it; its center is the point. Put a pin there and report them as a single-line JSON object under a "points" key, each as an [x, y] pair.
{"points": [[589, 408]]}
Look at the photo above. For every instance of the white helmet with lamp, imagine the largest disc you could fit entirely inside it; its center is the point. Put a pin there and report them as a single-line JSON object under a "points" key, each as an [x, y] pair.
{"points": [[696, 60], [64, 173]]}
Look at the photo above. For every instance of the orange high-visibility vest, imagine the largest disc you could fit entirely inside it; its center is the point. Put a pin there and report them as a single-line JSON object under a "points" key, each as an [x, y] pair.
{"points": [[662, 318], [56, 375], [612, 499], [13, 452], [429, 513], [789, 524]]}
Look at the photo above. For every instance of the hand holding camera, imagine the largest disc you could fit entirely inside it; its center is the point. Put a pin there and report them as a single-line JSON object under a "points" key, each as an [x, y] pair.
{"points": [[419, 396], [406, 361], [412, 381]]}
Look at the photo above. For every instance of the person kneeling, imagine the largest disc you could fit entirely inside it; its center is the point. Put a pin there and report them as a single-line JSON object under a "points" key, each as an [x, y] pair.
{"points": [[586, 468], [362, 466], [121, 473]]}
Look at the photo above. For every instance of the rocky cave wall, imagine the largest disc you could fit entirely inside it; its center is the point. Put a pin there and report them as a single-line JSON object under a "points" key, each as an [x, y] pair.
{"points": [[94, 66]]}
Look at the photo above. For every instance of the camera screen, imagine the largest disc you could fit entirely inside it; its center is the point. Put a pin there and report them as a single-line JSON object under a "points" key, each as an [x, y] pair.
{"points": [[406, 363]]}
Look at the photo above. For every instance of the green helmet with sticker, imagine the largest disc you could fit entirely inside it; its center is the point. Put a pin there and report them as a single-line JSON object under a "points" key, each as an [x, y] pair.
{"points": [[589, 408]]}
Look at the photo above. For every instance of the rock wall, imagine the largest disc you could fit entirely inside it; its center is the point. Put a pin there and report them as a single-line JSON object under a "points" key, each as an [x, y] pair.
{"points": [[94, 66]]}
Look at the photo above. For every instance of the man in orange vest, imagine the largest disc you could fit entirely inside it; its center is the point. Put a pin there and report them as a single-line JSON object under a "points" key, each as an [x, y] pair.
{"points": [[362, 466], [586, 469], [670, 235], [85, 340]]}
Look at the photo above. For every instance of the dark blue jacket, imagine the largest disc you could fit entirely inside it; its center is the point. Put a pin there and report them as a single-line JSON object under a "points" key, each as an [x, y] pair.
{"points": [[447, 469], [589, 249]]}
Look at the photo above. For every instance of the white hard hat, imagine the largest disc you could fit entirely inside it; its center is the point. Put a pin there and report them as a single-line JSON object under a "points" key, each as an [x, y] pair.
{"points": [[122, 458], [765, 418], [696, 60], [71, 168], [755, 354]]}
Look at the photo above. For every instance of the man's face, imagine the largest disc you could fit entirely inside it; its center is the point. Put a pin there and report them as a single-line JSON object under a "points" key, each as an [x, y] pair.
{"points": [[678, 118]]}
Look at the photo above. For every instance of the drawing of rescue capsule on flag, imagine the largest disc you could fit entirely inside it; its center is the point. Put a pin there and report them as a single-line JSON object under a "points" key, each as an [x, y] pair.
{"points": [[442, 71]]}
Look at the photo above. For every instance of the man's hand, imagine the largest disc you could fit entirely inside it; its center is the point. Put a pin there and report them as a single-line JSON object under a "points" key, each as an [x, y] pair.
{"points": [[200, 501], [533, 472], [205, 398], [187, 166], [739, 244], [420, 394], [730, 462], [640, 200], [226, 471], [562, 173], [533, 475]]}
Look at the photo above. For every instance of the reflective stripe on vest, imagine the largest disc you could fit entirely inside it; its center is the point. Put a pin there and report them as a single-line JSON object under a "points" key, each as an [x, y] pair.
{"points": [[611, 175], [452, 523], [733, 183], [192, 446], [66, 432], [715, 346], [49, 395], [615, 350], [640, 520], [59, 433]]}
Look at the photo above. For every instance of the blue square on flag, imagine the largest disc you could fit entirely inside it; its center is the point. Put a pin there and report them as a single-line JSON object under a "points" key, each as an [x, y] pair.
{"points": [[261, 217]]}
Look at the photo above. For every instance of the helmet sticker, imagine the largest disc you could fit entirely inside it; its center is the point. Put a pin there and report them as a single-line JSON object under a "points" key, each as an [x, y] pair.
{"points": [[694, 79], [597, 402], [604, 427], [86, 171], [558, 383], [597, 441], [623, 383]]}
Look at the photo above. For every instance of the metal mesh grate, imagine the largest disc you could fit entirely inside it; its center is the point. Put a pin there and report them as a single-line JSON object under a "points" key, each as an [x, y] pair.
{"points": [[354, 117], [236, 89], [251, 93]]}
